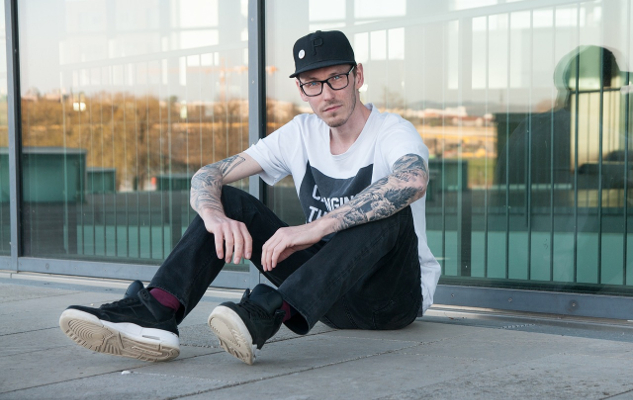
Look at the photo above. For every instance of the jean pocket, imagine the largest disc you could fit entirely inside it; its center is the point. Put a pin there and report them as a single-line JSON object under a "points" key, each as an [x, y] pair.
{"points": [[399, 312]]}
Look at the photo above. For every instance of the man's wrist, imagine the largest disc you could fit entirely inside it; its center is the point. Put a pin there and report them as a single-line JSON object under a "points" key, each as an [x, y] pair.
{"points": [[325, 225], [208, 212]]}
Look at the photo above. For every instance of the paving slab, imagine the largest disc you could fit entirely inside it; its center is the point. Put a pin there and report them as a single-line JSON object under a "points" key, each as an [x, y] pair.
{"points": [[203, 372], [64, 363], [419, 331], [557, 376], [41, 313], [127, 385], [59, 364], [32, 341], [362, 378], [283, 357], [15, 293], [497, 344]]}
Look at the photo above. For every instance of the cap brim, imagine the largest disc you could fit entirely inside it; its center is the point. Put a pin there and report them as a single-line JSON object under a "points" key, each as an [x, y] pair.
{"points": [[322, 64]]}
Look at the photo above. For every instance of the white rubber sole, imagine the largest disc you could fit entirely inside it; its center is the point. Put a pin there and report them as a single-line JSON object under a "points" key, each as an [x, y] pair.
{"points": [[232, 334], [119, 339]]}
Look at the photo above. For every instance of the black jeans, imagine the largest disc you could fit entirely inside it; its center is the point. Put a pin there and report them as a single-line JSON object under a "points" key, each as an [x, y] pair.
{"points": [[365, 277]]}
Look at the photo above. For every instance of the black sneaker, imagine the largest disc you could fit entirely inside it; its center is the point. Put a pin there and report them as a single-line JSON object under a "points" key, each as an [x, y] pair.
{"points": [[250, 323], [136, 327], [133, 289]]}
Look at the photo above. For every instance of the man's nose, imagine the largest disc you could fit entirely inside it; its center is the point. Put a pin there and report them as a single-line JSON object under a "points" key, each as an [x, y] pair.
{"points": [[327, 91]]}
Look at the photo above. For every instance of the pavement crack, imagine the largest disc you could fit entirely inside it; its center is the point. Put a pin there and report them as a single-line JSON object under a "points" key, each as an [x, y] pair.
{"points": [[73, 379], [32, 330], [230, 385], [616, 394]]}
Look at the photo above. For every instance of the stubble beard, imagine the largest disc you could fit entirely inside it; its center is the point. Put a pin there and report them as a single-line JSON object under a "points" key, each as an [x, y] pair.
{"points": [[340, 122]]}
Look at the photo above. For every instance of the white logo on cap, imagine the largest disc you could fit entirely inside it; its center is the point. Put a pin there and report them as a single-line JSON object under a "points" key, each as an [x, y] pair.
{"points": [[302, 54]]}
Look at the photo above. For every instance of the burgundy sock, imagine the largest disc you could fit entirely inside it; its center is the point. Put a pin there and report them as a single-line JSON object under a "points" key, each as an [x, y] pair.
{"points": [[166, 299], [290, 312]]}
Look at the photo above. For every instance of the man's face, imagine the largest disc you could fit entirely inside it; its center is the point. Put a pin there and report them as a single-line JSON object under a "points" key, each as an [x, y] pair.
{"points": [[334, 107]]}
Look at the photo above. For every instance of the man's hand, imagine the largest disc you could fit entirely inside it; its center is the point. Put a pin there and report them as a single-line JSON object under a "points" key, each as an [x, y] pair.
{"points": [[230, 235], [288, 240]]}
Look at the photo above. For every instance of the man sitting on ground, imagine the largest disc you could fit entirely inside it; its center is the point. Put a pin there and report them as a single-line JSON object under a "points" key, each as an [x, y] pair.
{"points": [[360, 261]]}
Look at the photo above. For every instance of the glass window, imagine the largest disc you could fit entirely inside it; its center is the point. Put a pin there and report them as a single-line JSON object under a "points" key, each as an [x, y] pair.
{"points": [[526, 111], [122, 102]]}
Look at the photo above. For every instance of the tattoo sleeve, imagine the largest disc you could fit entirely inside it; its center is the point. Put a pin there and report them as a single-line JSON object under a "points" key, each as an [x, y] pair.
{"points": [[206, 184], [406, 184]]}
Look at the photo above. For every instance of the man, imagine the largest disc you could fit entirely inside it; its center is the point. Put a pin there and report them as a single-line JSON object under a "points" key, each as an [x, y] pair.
{"points": [[359, 262]]}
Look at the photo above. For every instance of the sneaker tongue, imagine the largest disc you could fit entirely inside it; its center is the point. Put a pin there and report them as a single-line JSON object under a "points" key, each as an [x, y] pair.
{"points": [[267, 298], [159, 311]]}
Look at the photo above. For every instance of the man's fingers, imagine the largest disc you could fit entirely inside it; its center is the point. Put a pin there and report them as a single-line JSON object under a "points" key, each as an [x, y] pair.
{"points": [[219, 245], [228, 244], [276, 252], [264, 259], [231, 238], [248, 242], [239, 247], [273, 253], [266, 253]]}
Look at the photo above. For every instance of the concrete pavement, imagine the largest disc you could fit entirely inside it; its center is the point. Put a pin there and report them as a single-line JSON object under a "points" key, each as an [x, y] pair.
{"points": [[448, 354]]}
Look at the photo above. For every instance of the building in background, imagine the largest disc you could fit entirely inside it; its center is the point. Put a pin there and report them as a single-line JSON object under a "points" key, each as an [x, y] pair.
{"points": [[525, 106]]}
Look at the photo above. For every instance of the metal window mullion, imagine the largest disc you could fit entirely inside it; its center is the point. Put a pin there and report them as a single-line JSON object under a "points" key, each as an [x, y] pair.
{"points": [[464, 197], [508, 77], [627, 97], [14, 129], [443, 167], [256, 97], [486, 191], [600, 170], [552, 155], [576, 121], [528, 205]]}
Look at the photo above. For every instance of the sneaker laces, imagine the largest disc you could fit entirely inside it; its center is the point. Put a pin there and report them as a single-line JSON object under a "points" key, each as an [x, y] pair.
{"points": [[254, 309], [119, 303]]}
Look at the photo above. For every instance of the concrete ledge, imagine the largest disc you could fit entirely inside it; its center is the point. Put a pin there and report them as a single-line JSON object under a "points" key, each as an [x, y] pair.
{"points": [[578, 304]]}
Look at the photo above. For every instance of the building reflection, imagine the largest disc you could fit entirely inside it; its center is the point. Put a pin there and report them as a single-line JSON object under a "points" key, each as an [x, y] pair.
{"points": [[577, 147], [528, 148]]}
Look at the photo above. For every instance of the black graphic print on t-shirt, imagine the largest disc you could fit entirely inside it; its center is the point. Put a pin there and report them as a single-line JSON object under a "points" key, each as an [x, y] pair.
{"points": [[320, 194]]}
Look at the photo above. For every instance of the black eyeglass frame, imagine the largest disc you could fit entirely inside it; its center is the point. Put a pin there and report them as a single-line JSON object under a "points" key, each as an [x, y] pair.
{"points": [[301, 84]]}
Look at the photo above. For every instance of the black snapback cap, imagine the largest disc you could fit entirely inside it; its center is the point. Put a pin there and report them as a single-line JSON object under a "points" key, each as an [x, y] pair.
{"points": [[322, 49]]}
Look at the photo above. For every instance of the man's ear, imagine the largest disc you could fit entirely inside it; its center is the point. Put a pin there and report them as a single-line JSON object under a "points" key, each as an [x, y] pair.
{"points": [[303, 96], [360, 76]]}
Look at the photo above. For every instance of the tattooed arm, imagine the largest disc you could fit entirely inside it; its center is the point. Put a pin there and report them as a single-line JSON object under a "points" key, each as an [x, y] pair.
{"points": [[206, 191], [206, 184], [383, 198]]}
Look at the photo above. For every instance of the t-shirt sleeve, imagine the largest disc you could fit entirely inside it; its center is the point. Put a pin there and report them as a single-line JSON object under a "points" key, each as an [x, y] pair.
{"points": [[401, 139], [269, 153]]}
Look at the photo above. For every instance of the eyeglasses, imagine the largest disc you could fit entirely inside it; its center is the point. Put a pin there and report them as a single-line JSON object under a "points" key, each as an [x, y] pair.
{"points": [[336, 82]]}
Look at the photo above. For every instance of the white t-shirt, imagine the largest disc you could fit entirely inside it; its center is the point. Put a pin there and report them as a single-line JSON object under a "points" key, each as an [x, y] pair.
{"points": [[301, 148]]}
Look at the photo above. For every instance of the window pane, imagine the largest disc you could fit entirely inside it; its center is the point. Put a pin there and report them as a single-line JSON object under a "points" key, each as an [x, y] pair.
{"points": [[122, 103], [526, 110]]}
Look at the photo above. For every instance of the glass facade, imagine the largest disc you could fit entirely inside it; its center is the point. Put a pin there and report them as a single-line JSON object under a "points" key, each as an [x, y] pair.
{"points": [[526, 110], [122, 102], [526, 107]]}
